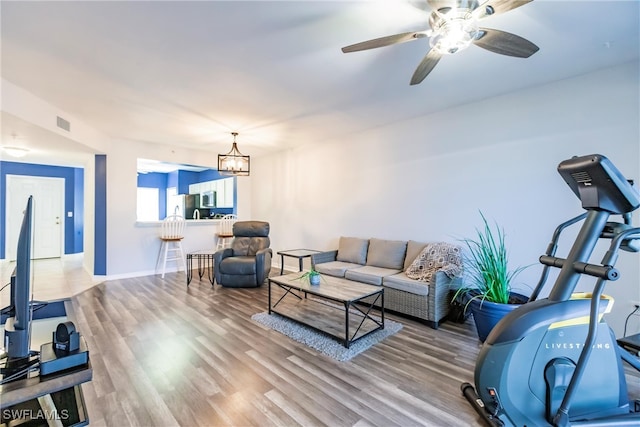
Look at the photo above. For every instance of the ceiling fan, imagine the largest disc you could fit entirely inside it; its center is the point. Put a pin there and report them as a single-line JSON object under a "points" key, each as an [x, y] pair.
{"points": [[454, 26]]}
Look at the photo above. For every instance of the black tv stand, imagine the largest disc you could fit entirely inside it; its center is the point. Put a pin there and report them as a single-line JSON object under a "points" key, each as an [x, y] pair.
{"points": [[38, 400]]}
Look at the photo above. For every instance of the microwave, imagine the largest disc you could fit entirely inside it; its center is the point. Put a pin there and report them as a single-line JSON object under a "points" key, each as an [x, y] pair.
{"points": [[208, 199]]}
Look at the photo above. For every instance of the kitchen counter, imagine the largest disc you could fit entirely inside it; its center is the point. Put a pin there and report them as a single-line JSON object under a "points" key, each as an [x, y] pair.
{"points": [[201, 221], [198, 235]]}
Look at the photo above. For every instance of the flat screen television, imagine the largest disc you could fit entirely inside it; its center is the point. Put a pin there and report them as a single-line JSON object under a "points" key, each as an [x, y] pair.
{"points": [[17, 327]]}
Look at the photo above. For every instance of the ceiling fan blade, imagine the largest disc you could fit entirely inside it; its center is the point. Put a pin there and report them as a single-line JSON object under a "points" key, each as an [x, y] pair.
{"points": [[384, 41], [495, 7], [426, 65], [505, 43]]}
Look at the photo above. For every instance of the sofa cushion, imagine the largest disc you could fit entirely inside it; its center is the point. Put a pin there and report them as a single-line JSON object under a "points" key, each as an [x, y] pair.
{"points": [[369, 274], [413, 250], [335, 268], [436, 257], [352, 249], [386, 253], [401, 282]]}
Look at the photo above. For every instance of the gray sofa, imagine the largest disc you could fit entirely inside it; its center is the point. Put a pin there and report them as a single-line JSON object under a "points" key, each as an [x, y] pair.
{"points": [[387, 263]]}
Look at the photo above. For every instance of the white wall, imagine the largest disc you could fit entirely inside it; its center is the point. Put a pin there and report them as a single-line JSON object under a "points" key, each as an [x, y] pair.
{"points": [[424, 178], [427, 178], [23, 104]]}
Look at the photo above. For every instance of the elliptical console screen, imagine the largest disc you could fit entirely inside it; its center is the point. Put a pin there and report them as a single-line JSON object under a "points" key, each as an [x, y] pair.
{"points": [[599, 184]]}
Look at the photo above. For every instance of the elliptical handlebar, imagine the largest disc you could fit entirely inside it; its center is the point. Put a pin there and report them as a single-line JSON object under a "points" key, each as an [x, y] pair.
{"points": [[606, 272], [551, 251]]}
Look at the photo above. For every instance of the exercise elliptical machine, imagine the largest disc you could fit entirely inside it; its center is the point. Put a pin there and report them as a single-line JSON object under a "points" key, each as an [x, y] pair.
{"points": [[554, 361]]}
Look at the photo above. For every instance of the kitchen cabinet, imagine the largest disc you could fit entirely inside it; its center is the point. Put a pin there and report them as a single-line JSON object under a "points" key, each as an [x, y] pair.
{"points": [[224, 193], [207, 186], [224, 189], [228, 192], [195, 188]]}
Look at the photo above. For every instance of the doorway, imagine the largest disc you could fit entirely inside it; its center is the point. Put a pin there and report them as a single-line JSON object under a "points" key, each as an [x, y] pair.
{"points": [[48, 197]]}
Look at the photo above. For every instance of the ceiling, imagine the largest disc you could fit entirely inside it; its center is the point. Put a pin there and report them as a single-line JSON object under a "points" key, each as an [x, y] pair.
{"points": [[189, 73]]}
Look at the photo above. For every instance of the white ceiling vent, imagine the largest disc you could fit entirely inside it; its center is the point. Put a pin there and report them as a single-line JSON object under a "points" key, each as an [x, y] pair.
{"points": [[63, 124]]}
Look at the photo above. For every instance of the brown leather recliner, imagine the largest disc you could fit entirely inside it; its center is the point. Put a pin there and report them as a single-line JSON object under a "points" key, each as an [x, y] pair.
{"points": [[247, 262]]}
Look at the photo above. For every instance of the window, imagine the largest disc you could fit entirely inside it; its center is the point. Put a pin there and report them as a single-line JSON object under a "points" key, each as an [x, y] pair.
{"points": [[148, 200]]}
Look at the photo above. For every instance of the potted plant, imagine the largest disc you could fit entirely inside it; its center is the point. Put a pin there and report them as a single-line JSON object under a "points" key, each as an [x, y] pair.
{"points": [[488, 292], [312, 276]]}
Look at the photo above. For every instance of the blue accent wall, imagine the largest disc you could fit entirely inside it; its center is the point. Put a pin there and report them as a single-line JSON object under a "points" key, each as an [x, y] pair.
{"points": [[172, 180], [210, 175], [186, 178], [100, 237], [73, 199], [78, 209], [159, 181]]}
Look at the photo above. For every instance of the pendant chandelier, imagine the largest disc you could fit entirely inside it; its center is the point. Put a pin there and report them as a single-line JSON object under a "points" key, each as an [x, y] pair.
{"points": [[234, 162]]}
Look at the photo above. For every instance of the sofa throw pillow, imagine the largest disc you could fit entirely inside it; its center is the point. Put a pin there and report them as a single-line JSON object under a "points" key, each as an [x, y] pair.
{"points": [[352, 249], [386, 253], [413, 250], [436, 257]]}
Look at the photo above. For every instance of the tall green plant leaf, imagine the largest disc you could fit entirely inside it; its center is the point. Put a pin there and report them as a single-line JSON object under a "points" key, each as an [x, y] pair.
{"points": [[487, 265]]}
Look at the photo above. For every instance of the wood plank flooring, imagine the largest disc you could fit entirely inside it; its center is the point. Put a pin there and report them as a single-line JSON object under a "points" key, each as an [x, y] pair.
{"points": [[164, 354]]}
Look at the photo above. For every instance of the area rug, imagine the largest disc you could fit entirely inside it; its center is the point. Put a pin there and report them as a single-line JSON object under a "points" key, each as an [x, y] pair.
{"points": [[321, 342]]}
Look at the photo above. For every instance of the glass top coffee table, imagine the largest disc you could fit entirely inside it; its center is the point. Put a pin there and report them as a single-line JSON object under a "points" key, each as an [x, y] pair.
{"points": [[301, 254], [337, 307]]}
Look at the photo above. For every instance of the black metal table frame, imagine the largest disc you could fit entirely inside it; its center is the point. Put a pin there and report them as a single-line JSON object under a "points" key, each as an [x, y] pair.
{"points": [[347, 340], [202, 266], [300, 257]]}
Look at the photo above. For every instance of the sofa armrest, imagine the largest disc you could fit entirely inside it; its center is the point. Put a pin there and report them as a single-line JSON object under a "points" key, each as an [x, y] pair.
{"points": [[439, 302], [322, 257]]}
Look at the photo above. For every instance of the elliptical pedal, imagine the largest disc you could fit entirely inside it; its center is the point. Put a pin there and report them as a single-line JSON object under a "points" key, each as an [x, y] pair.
{"points": [[631, 344], [490, 418]]}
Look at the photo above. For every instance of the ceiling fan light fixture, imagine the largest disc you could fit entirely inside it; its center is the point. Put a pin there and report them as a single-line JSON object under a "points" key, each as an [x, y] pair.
{"points": [[234, 162], [453, 26], [453, 31]]}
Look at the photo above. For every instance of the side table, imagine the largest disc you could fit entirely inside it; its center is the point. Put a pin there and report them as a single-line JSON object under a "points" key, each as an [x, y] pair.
{"points": [[205, 262], [301, 254]]}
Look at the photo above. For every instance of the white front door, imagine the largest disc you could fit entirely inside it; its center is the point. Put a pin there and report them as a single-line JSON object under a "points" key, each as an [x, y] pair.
{"points": [[48, 203]]}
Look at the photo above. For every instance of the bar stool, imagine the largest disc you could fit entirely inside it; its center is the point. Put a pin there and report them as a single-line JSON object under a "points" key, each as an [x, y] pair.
{"points": [[171, 236], [225, 232]]}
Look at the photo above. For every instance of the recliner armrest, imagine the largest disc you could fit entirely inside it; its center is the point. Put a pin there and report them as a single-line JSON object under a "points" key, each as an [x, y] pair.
{"points": [[265, 255], [222, 254], [322, 257], [263, 264], [218, 256]]}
